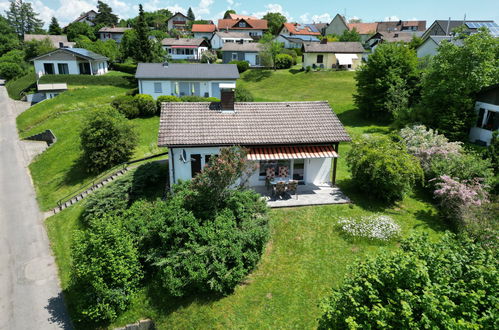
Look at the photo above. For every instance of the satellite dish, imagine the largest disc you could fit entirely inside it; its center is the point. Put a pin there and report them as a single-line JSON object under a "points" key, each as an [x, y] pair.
{"points": [[183, 156]]}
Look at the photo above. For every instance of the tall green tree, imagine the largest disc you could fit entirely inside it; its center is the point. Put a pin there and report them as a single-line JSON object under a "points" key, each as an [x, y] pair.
{"points": [[54, 27], [391, 67], [350, 35], [23, 18], [274, 22], [8, 37], [228, 12], [105, 15], [143, 44], [270, 51], [74, 30], [190, 14], [453, 78]]}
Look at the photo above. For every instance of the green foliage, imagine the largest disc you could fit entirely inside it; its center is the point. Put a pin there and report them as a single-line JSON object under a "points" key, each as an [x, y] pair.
{"points": [[241, 65], [415, 42], [107, 139], [8, 38], [125, 67], [194, 98], [283, 61], [105, 270], [383, 168], [10, 70], [290, 52], [127, 105], [86, 80], [387, 80], [190, 14], [108, 48], [452, 80], [16, 87], [228, 12], [449, 284], [275, 22], [36, 48], [492, 151], [166, 98], [23, 18], [105, 15], [243, 95], [350, 35], [146, 104], [209, 56], [54, 28], [270, 51], [143, 50], [74, 30]]}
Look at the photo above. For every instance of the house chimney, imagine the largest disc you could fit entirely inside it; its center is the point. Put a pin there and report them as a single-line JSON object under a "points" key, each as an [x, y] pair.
{"points": [[324, 41], [227, 97]]}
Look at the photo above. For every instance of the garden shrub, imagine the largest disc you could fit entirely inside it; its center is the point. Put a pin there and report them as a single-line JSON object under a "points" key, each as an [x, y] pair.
{"points": [[16, 87], [9, 71], [308, 69], [374, 227], [383, 168], [194, 98], [132, 92], [166, 98], [451, 284], [146, 104], [126, 105], [107, 139], [283, 61], [241, 65], [291, 53], [209, 56], [147, 178], [124, 67], [105, 270], [243, 95]]}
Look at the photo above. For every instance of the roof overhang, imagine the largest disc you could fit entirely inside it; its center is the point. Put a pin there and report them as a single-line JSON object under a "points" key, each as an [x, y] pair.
{"points": [[291, 152], [184, 46]]}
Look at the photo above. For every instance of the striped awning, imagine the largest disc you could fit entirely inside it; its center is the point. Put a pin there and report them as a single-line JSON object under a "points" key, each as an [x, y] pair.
{"points": [[298, 152]]}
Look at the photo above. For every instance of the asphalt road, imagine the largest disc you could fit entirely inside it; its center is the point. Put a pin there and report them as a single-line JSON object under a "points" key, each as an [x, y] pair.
{"points": [[30, 294]]}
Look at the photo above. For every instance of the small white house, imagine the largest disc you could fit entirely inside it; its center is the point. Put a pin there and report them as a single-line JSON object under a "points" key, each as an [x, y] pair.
{"points": [[219, 39], [487, 108], [112, 33], [296, 41], [70, 61], [430, 45], [185, 48], [181, 79]]}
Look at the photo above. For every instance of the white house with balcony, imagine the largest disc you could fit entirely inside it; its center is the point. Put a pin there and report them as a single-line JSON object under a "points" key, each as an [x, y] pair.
{"points": [[185, 48], [70, 61], [181, 79], [487, 108], [220, 38]]}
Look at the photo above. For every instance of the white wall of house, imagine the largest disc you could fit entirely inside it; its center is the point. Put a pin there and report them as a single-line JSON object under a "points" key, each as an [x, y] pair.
{"points": [[98, 67], [205, 35], [252, 58], [158, 87], [217, 41], [185, 53], [478, 133], [428, 48], [287, 43]]}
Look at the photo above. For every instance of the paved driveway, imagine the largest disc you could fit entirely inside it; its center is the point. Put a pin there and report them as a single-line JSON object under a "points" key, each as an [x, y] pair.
{"points": [[30, 294]]}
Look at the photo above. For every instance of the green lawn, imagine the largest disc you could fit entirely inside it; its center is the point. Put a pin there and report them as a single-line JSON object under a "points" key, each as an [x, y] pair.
{"points": [[306, 255], [57, 172]]}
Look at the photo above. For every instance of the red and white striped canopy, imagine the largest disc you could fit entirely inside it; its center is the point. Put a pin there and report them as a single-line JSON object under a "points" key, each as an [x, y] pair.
{"points": [[298, 152]]}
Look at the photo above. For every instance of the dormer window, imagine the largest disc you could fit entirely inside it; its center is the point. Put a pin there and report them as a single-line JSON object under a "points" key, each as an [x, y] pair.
{"points": [[242, 24]]}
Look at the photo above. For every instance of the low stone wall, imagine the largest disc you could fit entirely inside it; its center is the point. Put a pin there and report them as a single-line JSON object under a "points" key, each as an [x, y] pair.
{"points": [[47, 136], [141, 325]]}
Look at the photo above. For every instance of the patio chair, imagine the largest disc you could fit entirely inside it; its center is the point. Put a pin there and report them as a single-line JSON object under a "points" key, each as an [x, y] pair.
{"points": [[292, 188], [283, 171], [269, 176], [279, 189]]}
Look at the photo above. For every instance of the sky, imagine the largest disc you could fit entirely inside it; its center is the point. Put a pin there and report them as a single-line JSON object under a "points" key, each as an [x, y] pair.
{"points": [[296, 11]]}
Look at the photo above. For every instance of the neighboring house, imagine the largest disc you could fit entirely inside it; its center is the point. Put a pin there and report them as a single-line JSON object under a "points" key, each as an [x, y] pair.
{"points": [[445, 27], [254, 27], [185, 48], [337, 26], [70, 61], [180, 79], [402, 26], [46, 92], [429, 47], [301, 136], [220, 38], [112, 33], [333, 55], [58, 41], [248, 52], [87, 17], [366, 30], [178, 22], [487, 108], [296, 41], [380, 37], [296, 29], [203, 30]]}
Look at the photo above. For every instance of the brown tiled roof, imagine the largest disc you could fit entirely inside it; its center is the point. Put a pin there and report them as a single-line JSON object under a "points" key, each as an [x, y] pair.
{"points": [[364, 28], [299, 29], [108, 29], [334, 47], [204, 28], [252, 123], [253, 24], [183, 42]]}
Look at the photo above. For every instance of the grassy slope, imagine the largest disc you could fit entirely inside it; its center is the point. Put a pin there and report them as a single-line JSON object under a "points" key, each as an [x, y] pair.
{"points": [[306, 255], [57, 172]]}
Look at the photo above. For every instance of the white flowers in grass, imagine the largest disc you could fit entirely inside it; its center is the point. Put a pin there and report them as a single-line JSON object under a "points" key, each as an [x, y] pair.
{"points": [[378, 226]]}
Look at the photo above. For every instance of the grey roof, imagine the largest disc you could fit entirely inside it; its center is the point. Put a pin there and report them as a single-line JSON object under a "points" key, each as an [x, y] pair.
{"points": [[252, 123], [186, 71], [233, 34], [334, 47], [54, 39], [251, 47], [438, 40], [81, 52], [183, 41]]}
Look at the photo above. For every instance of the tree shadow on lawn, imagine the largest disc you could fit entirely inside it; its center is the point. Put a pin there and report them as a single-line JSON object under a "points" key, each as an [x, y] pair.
{"points": [[295, 71], [355, 118], [257, 75], [362, 198], [77, 174]]}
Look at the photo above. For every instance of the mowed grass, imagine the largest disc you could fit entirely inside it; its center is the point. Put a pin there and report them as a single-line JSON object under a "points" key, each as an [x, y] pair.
{"points": [[57, 172], [306, 256]]}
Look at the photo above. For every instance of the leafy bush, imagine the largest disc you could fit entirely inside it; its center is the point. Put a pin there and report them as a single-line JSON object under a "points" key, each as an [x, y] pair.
{"points": [[308, 68], [375, 227], [241, 65], [9, 70], [126, 105], [16, 87], [132, 92], [107, 139], [283, 61], [243, 95], [165, 99], [209, 57], [290, 52], [383, 168], [194, 98], [84, 80], [125, 67], [449, 284], [146, 105], [105, 270]]}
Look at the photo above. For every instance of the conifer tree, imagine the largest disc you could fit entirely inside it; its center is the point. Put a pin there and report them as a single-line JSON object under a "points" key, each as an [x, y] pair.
{"points": [[190, 14], [23, 18], [54, 27]]}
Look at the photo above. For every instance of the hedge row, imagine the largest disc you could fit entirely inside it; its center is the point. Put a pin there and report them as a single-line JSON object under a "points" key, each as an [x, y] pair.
{"points": [[81, 80], [127, 68], [16, 87]]}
